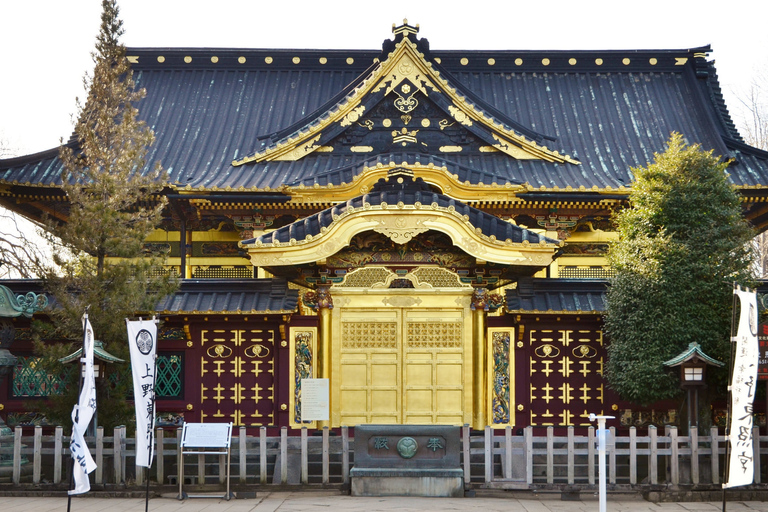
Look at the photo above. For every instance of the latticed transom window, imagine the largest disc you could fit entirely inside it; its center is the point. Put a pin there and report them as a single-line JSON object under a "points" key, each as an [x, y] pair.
{"points": [[30, 380], [170, 376], [575, 272], [223, 272]]}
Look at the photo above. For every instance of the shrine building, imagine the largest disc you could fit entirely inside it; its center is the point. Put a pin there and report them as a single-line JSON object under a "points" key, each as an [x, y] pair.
{"points": [[426, 229]]}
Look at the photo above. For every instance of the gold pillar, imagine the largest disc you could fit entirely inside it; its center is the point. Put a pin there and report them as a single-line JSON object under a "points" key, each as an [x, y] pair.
{"points": [[479, 359], [324, 307]]}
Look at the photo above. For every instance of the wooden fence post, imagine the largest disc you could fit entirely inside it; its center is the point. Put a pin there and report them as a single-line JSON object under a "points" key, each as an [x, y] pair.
{"points": [[508, 452], [17, 455], [632, 455], [591, 455], [653, 456], [345, 454], [529, 455], [57, 454], [694, 435], [263, 455], [283, 455], [242, 447], [117, 454], [715, 443], [756, 452], [612, 456], [99, 473], [488, 454], [37, 452], [550, 455], [326, 455], [123, 451], [673, 463], [179, 460], [304, 457], [465, 450], [571, 457], [159, 456]]}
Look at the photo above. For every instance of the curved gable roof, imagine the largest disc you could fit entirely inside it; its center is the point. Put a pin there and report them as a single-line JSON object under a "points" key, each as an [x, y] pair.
{"points": [[401, 207]]}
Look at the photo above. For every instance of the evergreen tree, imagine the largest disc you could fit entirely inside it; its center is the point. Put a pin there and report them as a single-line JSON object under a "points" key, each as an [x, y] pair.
{"points": [[682, 244], [113, 208]]}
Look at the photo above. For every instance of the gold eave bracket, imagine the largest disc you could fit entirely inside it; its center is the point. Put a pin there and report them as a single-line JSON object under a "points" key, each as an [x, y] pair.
{"points": [[447, 182]]}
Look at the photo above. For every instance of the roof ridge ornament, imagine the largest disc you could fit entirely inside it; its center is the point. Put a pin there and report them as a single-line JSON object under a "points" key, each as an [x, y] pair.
{"points": [[405, 29]]}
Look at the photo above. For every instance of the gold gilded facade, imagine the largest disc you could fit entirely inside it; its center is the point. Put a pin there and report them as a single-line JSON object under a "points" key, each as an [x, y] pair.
{"points": [[396, 364]]}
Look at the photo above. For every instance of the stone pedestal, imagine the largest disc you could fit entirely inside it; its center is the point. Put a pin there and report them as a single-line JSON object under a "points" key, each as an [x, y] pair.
{"points": [[407, 460]]}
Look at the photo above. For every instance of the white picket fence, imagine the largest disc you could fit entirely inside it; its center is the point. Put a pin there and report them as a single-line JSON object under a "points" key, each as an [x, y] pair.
{"points": [[496, 459]]}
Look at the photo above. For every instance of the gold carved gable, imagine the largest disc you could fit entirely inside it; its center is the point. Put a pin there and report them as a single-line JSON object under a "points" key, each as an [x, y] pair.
{"points": [[425, 278], [404, 76]]}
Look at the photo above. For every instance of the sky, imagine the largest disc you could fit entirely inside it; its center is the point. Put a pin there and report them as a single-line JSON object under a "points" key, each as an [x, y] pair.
{"points": [[46, 45]]}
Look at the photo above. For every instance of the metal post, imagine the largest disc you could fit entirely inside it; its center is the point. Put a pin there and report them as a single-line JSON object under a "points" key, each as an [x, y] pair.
{"points": [[601, 442]]}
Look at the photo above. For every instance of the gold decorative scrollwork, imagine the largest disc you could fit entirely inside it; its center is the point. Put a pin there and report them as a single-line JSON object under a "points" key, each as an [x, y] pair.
{"points": [[460, 115], [547, 350], [404, 136], [352, 116], [406, 104], [219, 351], [256, 351], [444, 123], [584, 351]]}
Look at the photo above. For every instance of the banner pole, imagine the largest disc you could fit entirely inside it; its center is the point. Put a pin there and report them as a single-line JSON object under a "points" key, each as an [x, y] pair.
{"points": [[77, 414], [154, 439]]}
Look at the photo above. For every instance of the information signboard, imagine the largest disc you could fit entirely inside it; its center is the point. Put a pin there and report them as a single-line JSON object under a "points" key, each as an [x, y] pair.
{"points": [[206, 435], [314, 399]]}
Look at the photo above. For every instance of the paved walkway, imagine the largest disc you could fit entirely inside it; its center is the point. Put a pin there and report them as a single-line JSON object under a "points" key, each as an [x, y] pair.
{"points": [[323, 501]]}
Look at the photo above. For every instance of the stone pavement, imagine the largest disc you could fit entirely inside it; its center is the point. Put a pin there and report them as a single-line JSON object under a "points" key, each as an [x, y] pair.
{"points": [[333, 502]]}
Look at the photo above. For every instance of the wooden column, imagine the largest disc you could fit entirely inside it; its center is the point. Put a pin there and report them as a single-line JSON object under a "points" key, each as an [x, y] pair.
{"points": [[324, 345], [479, 359]]}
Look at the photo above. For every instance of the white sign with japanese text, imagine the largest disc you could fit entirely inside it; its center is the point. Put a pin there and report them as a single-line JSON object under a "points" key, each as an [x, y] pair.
{"points": [[741, 465], [314, 399]]}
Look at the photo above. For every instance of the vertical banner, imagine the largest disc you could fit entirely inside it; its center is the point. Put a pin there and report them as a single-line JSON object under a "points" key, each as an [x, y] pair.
{"points": [[743, 383], [82, 414], [142, 340]]}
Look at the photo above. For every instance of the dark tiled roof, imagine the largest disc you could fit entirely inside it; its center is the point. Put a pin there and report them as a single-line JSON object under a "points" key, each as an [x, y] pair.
{"points": [[206, 295], [209, 107], [557, 296], [403, 190], [228, 296]]}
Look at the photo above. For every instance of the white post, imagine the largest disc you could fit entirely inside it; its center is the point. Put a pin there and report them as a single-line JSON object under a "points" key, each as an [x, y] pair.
{"points": [[601, 442]]}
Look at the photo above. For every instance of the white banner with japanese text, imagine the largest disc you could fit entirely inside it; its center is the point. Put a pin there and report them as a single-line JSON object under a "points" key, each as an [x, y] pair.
{"points": [[743, 384], [82, 414], [142, 340]]}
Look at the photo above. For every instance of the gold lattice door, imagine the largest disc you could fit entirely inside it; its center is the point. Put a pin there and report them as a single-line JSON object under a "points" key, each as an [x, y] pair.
{"points": [[400, 365]]}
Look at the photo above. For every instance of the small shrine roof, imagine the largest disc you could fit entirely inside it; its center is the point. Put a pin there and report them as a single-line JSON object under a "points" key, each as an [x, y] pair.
{"points": [[693, 352]]}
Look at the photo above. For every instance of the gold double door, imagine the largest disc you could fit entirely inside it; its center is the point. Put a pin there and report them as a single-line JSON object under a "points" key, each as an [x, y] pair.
{"points": [[402, 360]]}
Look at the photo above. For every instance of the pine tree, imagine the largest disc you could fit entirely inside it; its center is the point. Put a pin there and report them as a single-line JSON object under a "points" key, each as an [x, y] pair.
{"points": [[113, 208], [682, 244]]}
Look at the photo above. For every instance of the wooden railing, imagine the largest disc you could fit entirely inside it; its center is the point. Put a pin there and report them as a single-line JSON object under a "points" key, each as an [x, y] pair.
{"points": [[495, 459]]}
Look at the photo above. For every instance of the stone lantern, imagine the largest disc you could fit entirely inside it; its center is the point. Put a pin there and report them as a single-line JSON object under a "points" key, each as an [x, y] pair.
{"points": [[693, 364]]}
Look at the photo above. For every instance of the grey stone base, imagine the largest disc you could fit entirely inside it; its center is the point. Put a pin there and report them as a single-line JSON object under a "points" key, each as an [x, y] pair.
{"points": [[443, 483]]}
